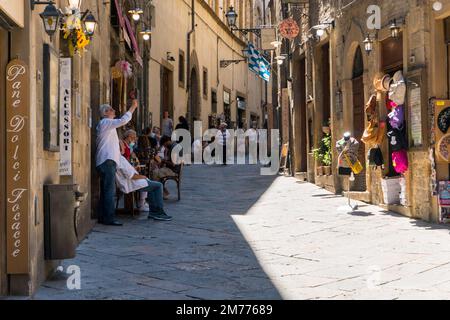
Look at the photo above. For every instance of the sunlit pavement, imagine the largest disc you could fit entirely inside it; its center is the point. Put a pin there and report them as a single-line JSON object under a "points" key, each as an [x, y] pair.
{"points": [[239, 235]]}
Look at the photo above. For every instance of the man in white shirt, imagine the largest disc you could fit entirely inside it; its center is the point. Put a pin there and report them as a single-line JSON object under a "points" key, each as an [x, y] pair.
{"points": [[222, 138], [128, 180], [108, 158]]}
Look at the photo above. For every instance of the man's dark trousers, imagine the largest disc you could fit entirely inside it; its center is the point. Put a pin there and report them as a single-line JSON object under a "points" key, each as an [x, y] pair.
{"points": [[107, 171], [224, 149]]}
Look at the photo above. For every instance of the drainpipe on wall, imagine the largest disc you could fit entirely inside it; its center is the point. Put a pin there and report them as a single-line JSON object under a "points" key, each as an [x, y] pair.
{"points": [[188, 54], [265, 121]]}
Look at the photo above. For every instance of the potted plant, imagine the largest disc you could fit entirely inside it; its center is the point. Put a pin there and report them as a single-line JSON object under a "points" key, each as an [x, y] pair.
{"points": [[323, 155]]}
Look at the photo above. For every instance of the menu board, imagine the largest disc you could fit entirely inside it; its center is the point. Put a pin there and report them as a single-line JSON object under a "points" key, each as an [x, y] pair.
{"points": [[415, 105]]}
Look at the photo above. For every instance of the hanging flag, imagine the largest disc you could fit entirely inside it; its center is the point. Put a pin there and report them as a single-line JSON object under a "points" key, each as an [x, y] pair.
{"points": [[257, 63]]}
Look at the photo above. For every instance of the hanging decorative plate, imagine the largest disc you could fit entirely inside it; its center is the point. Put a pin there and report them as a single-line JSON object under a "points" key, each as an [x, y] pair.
{"points": [[289, 29], [443, 148], [443, 120]]}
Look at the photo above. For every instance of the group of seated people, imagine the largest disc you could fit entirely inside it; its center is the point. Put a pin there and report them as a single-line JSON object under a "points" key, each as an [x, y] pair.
{"points": [[145, 161]]}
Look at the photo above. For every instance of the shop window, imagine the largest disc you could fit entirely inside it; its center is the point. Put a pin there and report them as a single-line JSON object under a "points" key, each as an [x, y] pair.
{"points": [[227, 107], [181, 69], [213, 101], [392, 54], [51, 103], [205, 83]]}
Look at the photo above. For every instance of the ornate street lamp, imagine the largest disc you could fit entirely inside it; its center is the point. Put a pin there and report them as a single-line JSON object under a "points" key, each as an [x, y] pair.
{"points": [[231, 16], [368, 44], [50, 16], [146, 33], [136, 12], [276, 43], [90, 24], [395, 29]]}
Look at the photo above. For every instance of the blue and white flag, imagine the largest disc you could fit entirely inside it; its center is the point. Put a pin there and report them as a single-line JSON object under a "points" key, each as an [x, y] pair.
{"points": [[257, 63]]}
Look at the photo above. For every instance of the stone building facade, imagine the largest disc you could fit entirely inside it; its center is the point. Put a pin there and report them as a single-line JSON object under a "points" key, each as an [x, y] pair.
{"points": [[333, 78], [165, 71], [25, 39], [192, 84]]}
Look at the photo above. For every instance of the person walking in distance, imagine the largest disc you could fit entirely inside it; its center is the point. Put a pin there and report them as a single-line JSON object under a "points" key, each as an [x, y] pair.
{"points": [[108, 158], [222, 137], [167, 125]]}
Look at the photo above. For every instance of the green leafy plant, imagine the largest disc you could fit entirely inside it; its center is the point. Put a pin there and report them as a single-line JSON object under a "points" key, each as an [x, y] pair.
{"points": [[323, 152]]}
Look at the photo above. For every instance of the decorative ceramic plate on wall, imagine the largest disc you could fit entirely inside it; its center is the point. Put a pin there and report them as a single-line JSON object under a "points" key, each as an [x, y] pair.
{"points": [[443, 148]]}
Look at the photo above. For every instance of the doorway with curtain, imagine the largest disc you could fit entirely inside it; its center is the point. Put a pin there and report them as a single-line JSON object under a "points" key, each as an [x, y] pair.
{"points": [[194, 100], [359, 117]]}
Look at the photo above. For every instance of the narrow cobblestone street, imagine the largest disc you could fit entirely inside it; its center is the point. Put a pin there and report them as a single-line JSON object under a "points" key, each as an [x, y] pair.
{"points": [[269, 238]]}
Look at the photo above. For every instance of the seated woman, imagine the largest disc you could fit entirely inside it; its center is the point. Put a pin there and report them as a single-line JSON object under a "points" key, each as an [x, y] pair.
{"points": [[127, 144], [129, 180], [162, 163]]}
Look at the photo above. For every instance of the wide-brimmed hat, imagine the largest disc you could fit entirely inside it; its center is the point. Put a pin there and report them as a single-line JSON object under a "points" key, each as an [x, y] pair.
{"points": [[223, 124], [381, 82]]}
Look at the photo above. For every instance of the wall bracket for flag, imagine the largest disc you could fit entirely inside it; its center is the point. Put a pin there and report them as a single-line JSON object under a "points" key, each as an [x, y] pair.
{"points": [[256, 31], [226, 63]]}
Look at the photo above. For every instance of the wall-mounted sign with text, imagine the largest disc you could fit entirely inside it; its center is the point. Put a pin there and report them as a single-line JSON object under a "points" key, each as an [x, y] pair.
{"points": [[65, 116], [17, 166]]}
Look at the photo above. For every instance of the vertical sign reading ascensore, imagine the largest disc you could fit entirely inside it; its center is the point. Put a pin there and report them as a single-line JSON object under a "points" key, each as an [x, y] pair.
{"points": [[17, 166], [65, 117]]}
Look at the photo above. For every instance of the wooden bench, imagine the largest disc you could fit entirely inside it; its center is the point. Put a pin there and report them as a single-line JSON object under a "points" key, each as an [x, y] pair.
{"points": [[176, 178]]}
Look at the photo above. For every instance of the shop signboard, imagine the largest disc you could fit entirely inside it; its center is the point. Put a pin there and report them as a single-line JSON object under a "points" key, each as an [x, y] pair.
{"points": [[268, 35], [289, 29], [65, 117], [17, 166], [416, 86], [226, 97]]}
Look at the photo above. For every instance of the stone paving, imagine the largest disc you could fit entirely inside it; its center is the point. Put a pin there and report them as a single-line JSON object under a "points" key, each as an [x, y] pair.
{"points": [[239, 235]]}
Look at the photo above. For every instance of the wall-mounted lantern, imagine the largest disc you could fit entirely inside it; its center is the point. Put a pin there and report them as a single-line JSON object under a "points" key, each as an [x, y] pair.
{"points": [[395, 29], [231, 16], [368, 44]]}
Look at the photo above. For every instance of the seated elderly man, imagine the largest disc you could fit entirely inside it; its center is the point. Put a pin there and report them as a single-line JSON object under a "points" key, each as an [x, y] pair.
{"points": [[128, 180], [128, 144]]}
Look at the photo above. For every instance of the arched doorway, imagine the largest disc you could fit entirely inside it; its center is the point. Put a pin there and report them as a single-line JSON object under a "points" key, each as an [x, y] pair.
{"points": [[194, 99], [359, 116]]}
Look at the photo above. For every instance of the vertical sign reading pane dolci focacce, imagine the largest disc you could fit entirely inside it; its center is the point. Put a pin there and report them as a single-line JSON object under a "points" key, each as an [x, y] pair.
{"points": [[17, 166], [65, 116]]}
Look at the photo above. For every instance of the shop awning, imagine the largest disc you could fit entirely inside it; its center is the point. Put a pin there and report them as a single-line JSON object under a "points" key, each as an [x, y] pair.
{"points": [[134, 43], [13, 11], [128, 33]]}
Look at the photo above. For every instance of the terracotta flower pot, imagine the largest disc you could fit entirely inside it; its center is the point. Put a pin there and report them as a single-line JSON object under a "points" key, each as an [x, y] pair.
{"points": [[319, 171], [327, 170]]}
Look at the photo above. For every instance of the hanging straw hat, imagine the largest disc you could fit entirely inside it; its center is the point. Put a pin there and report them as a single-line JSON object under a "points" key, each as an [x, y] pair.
{"points": [[381, 82]]}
